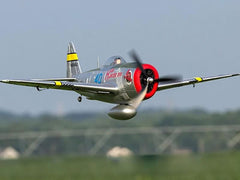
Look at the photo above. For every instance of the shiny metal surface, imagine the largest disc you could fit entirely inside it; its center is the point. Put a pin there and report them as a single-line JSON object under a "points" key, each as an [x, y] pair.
{"points": [[122, 112], [116, 82], [73, 65]]}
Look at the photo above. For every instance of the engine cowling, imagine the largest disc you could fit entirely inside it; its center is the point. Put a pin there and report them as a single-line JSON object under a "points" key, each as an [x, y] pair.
{"points": [[140, 81]]}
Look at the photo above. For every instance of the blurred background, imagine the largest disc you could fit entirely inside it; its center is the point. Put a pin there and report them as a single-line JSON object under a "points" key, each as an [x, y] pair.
{"points": [[187, 38], [181, 133]]}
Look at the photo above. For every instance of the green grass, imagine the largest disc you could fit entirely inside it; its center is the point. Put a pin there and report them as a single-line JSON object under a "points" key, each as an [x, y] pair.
{"points": [[207, 166]]}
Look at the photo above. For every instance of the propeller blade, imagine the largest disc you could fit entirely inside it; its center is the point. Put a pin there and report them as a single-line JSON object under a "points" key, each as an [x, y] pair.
{"points": [[169, 79], [138, 61], [136, 58], [137, 101]]}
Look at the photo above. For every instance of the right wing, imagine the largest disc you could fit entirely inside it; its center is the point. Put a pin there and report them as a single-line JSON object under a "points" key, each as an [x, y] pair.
{"points": [[193, 81], [64, 85]]}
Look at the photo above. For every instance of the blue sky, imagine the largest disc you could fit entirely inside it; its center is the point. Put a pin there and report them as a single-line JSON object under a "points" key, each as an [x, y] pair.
{"points": [[192, 38]]}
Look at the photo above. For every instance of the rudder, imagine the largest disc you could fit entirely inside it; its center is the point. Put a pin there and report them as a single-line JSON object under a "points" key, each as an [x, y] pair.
{"points": [[73, 66]]}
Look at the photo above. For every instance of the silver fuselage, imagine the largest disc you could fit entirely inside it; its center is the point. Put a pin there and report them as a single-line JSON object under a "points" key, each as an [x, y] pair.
{"points": [[114, 76]]}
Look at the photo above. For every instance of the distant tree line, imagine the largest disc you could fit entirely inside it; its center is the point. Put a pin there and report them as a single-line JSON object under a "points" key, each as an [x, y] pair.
{"points": [[12, 123]]}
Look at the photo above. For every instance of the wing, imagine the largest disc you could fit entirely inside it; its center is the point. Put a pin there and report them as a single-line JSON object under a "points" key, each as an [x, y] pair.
{"points": [[57, 79], [70, 84], [193, 81]]}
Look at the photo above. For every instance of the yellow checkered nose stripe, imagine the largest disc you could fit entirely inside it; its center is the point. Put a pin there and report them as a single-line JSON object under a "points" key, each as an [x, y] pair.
{"points": [[72, 57]]}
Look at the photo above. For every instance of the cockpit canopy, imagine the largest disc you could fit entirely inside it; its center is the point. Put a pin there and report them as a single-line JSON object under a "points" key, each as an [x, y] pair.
{"points": [[114, 60]]}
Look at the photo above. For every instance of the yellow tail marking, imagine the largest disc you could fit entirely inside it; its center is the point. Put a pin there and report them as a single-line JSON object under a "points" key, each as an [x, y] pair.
{"points": [[58, 83], [72, 57], [199, 79]]}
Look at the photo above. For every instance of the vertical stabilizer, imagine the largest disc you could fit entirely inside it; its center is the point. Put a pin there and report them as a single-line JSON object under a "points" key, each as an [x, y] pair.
{"points": [[73, 66]]}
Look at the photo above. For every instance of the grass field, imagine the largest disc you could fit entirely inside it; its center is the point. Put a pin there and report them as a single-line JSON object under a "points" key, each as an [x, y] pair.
{"points": [[206, 166]]}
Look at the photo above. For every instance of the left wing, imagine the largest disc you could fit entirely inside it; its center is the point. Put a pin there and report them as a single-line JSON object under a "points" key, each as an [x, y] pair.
{"points": [[163, 86], [65, 85], [57, 79]]}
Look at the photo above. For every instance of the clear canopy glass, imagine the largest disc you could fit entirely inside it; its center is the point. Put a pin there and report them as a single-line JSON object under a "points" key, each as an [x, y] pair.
{"points": [[114, 60]]}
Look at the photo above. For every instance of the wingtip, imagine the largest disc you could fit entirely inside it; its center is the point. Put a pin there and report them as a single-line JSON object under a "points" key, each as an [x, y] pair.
{"points": [[5, 81], [237, 74]]}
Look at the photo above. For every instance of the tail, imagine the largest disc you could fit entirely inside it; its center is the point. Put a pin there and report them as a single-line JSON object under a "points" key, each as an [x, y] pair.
{"points": [[73, 66]]}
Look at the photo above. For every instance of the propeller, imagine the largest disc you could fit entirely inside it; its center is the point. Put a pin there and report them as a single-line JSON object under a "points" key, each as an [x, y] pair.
{"points": [[137, 59], [172, 78]]}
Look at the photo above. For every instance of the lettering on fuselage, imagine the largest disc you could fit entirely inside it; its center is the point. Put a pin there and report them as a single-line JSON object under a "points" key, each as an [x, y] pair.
{"points": [[111, 74], [98, 78]]}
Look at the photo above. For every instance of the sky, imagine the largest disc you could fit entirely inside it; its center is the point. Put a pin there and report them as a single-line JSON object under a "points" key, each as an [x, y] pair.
{"points": [[191, 38]]}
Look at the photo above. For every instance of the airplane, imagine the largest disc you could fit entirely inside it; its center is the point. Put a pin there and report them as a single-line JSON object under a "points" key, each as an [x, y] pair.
{"points": [[116, 81]]}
